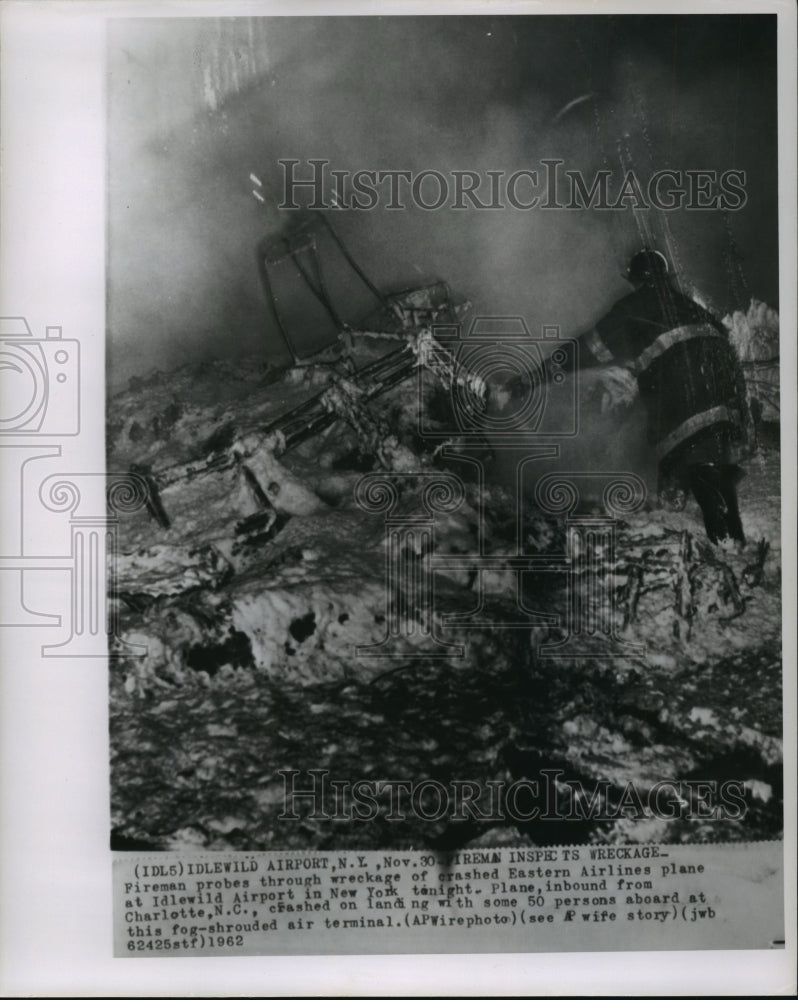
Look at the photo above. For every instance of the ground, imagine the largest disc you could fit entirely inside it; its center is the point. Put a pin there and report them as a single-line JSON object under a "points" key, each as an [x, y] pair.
{"points": [[253, 574]]}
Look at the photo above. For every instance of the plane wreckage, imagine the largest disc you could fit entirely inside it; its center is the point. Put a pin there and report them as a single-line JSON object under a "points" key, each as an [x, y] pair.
{"points": [[319, 585]]}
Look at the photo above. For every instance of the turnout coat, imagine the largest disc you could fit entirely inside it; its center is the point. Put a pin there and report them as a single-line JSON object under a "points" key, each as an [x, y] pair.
{"points": [[687, 373]]}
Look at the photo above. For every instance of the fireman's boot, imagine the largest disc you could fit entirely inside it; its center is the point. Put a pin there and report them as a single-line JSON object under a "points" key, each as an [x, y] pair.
{"points": [[713, 487], [672, 486], [731, 475]]}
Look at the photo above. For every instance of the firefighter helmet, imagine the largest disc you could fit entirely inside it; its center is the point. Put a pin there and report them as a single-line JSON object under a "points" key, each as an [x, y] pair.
{"points": [[647, 266]]}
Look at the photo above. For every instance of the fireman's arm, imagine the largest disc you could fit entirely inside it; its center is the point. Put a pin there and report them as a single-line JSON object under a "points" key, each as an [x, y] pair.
{"points": [[592, 351]]}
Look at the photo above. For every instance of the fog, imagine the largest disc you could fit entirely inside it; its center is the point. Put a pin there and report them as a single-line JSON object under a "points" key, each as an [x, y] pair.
{"points": [[195, 106]]}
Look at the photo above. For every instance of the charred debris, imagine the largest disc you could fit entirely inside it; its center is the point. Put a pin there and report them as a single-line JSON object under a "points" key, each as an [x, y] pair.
{"points": [[253, 574]]}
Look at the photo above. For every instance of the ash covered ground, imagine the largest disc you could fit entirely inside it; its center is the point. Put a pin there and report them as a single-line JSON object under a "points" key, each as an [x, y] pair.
{"points": [[254, 575]]}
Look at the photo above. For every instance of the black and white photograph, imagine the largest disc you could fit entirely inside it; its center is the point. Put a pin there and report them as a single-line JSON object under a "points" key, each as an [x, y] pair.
{"points": [[434, 564], [450, 380]]}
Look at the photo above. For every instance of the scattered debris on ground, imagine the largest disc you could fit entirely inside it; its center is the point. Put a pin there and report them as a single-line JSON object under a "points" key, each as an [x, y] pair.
{"points": [[253, 574]]}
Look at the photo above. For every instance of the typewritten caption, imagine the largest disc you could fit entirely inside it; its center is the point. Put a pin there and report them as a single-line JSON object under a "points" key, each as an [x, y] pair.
{"points": [[639, 896]]}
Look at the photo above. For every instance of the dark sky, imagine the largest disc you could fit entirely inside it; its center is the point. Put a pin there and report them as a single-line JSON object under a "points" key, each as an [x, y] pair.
{"points": [[196, 105]]}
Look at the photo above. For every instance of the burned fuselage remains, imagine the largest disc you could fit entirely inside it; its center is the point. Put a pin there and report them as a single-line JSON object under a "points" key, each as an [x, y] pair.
{"points": [[337, 582]]}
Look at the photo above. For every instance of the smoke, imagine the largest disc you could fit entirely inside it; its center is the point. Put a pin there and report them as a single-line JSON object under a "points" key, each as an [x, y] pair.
{"points": [[197, 105]]}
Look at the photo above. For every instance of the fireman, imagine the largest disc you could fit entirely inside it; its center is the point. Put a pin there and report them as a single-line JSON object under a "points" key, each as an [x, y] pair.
{"points": [[692, 386]]}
